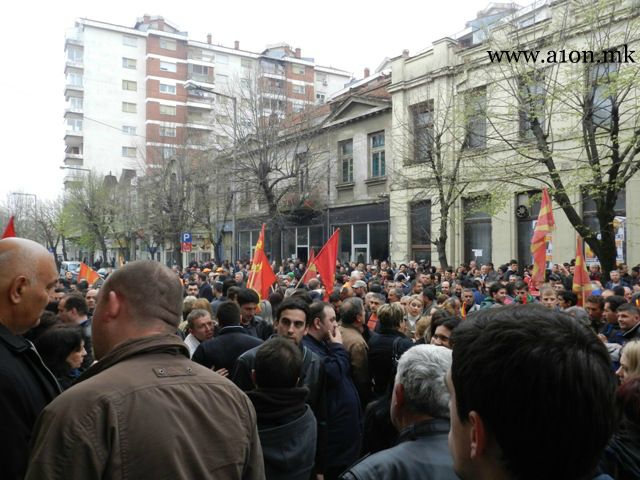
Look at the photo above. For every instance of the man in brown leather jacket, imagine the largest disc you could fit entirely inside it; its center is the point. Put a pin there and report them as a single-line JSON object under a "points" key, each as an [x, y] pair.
{"points": [[145, 410]]}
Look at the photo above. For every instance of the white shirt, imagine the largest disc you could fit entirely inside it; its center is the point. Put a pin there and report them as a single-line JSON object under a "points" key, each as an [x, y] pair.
{"points": [[192, 343]]}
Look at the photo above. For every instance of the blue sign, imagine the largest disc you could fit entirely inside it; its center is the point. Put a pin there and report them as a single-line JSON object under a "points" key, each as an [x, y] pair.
{"points": [[186, 237]]}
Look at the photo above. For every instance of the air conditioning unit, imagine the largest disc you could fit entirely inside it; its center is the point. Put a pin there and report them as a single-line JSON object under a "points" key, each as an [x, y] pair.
{"points": [[325, 83]]}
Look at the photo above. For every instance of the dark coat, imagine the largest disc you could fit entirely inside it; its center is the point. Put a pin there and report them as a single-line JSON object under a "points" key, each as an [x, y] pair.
{"points": [[313, 377], [381, 366], [422, 453], [26, 387], [259, 328], [206, 292], [223, 351], [344, 414]]}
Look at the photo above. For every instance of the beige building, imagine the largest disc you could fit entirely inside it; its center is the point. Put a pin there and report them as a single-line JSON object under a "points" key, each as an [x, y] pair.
{"points": [[482, 132]]}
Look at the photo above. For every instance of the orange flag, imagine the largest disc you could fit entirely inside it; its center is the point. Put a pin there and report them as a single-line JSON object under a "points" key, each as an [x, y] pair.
{"points": [[326, 262], [261, 276], [87, 273], [312, 270], [10, 229], [581, 282], [539, 240]]}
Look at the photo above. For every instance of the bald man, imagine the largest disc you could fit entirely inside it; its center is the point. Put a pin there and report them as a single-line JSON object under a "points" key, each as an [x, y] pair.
{"points": [[127, 414], [27, 276]]}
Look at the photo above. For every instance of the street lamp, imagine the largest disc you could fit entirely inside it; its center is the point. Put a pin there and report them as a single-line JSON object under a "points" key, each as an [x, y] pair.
{"points": [[190, 84]]}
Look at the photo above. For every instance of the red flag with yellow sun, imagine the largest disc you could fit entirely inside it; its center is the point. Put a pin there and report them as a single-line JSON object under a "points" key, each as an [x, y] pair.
{"points": [[261, 275]]}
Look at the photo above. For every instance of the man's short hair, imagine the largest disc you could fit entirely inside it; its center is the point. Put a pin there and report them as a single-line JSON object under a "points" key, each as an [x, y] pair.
{"points": [[194, 315], [152, 290], [226, 285], [247, 295], [627, 307], [615, 301], [568, 296], [316, 310], [313, 284], [390, 315], [278, 364], [429, 292], [598, 299], [293, 303], [495, 288], [350, 309], [422, 370], [78, 302], [527, 371], [228, 314]]}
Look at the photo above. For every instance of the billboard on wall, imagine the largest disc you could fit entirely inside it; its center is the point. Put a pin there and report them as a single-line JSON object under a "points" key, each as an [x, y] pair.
{"points": [[619, 225]]}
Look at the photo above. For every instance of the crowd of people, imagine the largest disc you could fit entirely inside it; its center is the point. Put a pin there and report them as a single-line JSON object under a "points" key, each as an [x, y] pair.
{"points": [[392, 372]]}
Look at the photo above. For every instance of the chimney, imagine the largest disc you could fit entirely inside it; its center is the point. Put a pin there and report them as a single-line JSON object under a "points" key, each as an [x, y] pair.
{"points": [[405, 53], [209, 38], [298, 53], [236, 45], [366, 72]]}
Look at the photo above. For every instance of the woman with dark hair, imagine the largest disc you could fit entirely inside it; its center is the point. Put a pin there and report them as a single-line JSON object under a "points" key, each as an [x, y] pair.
{"points": [[62, 350]]}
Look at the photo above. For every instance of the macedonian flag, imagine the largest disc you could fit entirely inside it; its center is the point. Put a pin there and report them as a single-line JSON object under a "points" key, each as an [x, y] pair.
{"points": [[539, 240], [261, 276]]}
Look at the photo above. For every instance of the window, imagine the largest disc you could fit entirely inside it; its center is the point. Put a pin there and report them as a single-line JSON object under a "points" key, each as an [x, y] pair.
{"points": [[129, 107], [222, 59], [168, 153], [168, 89], [527, 210], [531, 99], [74, 55], [590, 216], [128, 130], [167, 132], [420, 224], [246, 63], [345, 150], [376, 152], [298, 89], [600, 102], [298, 69], [168, 67], [422, 131], [199, 69], [320, 97], [129, 63], [297, 107], [75, 103], [129, 85], [222, 79], [167, 110], [75, 79], [476, 120], [168, 43], [477, 230], [129, 41], [74, 124], [303, 171], [272, 67], [244, 83], [129, 152]]}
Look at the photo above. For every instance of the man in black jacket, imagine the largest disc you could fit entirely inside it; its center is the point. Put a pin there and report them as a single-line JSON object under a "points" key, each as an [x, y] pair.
{"points": [[254, 325], [26, 385], [222, 351], [292, 322], [420, 412]]}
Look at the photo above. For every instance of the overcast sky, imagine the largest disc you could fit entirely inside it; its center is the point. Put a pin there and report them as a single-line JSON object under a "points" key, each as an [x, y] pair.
{"points": [[347, 35]]}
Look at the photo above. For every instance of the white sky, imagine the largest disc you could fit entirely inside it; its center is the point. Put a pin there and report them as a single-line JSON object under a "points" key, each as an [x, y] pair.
{"points": [[350, 35]]}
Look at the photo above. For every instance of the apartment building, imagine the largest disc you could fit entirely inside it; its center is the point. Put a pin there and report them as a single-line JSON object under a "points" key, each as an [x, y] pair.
{"points": [[138, 95]]}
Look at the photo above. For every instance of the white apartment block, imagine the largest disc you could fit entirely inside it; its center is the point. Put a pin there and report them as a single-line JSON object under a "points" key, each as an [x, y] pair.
{"points": [[138, 94]]}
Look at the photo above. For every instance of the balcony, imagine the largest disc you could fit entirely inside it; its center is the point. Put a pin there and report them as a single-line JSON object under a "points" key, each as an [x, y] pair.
{"points": [[73, 178], [73, 90], [73, 159], [74, 37], [202, 78], [73, 137], [77, 63], [71, 110]]}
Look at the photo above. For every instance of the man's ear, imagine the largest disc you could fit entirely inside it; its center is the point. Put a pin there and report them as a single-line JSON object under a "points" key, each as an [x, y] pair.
{"points": [[16, 289], [478, 434], [398, 390], [316, 323], [114, 304]]}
